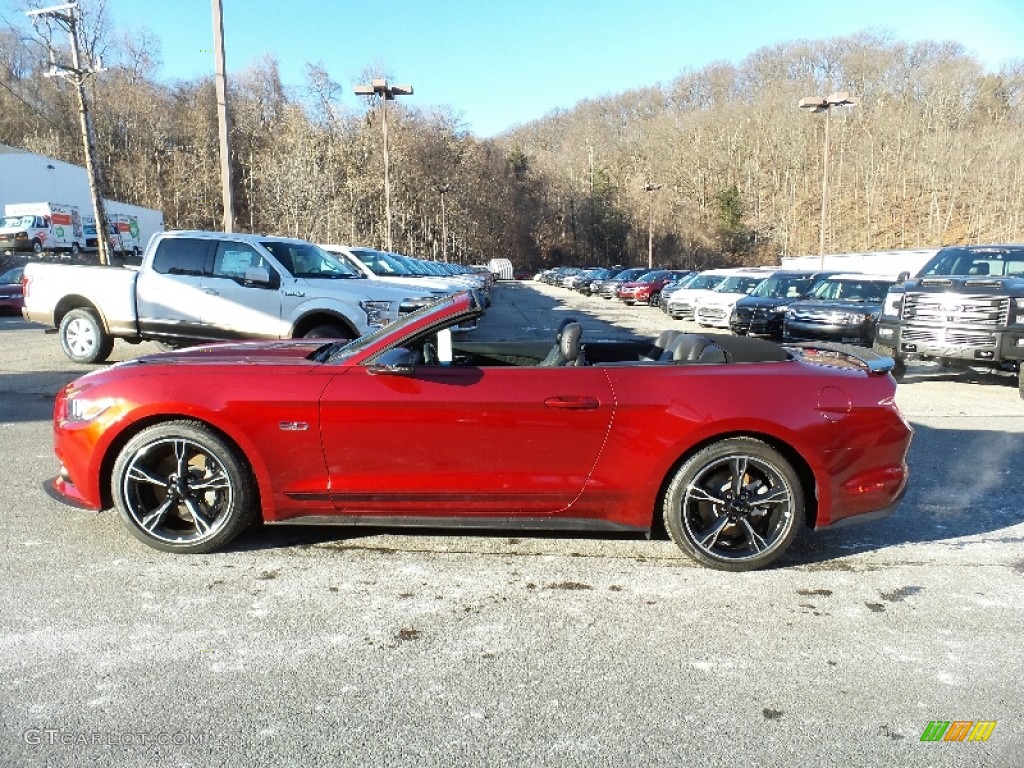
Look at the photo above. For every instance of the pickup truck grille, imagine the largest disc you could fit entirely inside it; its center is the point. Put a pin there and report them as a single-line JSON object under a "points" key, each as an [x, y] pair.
{"points": [[956, 309], [944, 336]]}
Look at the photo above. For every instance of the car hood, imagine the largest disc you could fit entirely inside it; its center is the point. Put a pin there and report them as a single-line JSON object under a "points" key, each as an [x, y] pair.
{"points": [[252, 352], [866, 307], [763, 301]]}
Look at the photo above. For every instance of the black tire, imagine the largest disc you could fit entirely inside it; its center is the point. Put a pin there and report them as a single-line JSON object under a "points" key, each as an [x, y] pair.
{"points": [[83, 339], [735, 505], [75, 249], [899, 368], [179, 487], [329, 332], [37, 247]]}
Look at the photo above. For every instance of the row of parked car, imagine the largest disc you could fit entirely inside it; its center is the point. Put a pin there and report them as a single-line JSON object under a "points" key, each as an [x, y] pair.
{"points": [[794, 305]]}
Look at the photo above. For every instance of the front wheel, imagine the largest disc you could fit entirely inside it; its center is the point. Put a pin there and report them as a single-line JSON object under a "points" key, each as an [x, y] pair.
{"points": [[735, 505], [179, 487], [82, 337]]}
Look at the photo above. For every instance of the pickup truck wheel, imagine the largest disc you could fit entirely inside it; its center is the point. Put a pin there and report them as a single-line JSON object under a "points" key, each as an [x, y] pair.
{"points": [[735, 505], [329, 332], [180, 487], [83, 339], [899, 368]]}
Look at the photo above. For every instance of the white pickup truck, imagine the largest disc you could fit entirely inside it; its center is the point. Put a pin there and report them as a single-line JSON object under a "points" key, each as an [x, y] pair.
{"points": [[211, 286]]}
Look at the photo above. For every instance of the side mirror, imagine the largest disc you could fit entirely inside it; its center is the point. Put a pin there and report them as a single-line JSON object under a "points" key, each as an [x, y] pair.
{"points": [[260, 276], [902, 277], [395, 362]]}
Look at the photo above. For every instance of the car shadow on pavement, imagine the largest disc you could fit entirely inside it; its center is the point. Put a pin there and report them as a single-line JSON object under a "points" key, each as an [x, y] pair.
{"points": [[963, 485]]}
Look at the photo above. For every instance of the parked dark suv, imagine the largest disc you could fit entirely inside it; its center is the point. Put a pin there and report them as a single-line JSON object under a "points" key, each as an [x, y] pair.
{"points": [[762, 311], [843, 308]]}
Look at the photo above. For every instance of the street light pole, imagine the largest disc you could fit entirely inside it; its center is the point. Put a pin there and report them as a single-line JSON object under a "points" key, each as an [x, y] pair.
{"points": [[650, 187], [825, 104], [380, 87]]}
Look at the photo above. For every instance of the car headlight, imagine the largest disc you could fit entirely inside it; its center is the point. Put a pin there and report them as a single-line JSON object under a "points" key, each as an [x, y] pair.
{"points": [[376, 312], [894, 303], [1019, 304], [85, 409]]}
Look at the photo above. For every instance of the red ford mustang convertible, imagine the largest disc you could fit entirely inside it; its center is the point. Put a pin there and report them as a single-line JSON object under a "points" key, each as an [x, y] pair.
{"points": [[735, 443]]}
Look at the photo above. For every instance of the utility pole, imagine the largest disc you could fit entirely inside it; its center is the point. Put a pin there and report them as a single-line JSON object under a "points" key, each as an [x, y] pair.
{"points": [[222, 117], [67, 16]]}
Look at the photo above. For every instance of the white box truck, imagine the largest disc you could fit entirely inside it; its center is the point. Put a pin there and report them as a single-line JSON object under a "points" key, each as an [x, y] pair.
{"points": [[41, 227]]}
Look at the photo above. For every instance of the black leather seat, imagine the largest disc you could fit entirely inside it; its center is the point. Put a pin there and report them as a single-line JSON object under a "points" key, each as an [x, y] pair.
{"points": [[662, 349], [693, 348], [568, 349]]}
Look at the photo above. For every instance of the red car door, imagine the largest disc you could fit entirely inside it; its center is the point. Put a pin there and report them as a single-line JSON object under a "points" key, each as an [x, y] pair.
{"points": [[449, 441]]}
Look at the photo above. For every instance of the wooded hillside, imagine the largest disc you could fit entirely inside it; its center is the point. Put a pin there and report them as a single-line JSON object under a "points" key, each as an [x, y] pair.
{"points": [[933, 154]]}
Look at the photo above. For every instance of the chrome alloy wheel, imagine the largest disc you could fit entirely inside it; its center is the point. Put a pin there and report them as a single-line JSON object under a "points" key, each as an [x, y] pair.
{"points": [[737, 507], [176, 491]]}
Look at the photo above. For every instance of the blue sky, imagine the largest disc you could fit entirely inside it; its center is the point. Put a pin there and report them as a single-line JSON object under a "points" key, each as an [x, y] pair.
{"points": [[496, 63]]}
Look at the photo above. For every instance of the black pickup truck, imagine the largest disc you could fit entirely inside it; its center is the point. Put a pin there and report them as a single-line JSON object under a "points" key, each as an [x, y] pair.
{"points": [[965, 308]]}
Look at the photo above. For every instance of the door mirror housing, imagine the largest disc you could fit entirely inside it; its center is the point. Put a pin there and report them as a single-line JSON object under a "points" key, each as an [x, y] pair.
{"points": [[395, 362]]}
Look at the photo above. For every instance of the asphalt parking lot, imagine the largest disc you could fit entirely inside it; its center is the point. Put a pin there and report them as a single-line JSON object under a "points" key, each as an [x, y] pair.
{"points": [[311, 646]]}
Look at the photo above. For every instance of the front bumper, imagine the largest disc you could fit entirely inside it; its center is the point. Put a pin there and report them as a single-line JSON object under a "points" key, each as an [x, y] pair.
{"points": [[973, 345]]}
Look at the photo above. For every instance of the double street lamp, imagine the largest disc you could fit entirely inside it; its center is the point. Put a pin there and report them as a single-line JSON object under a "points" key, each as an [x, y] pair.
{"points": [[825, 104], [379, 87]]}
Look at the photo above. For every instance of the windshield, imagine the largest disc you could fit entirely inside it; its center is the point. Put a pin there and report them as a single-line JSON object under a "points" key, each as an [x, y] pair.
{"points": [[382, 264], [629, 274], [652, 277], [339, 351], [791, 287], [309, 261], [853, 290], [971, 262], [705, 282], [739, 284]]}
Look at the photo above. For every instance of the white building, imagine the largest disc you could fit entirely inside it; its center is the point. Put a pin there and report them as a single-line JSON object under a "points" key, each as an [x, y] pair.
{"points": [[871, 262], [26, 177]]}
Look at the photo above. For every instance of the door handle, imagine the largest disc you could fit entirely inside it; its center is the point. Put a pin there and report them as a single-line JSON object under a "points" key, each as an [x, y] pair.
{"points": [[300, 294], [573, 403], [211, 291]]}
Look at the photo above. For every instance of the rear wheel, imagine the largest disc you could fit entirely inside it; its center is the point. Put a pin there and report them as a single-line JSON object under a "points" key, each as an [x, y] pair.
{"points": [[179, 487], [735, 505], [82, 337], [327, 331]]}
